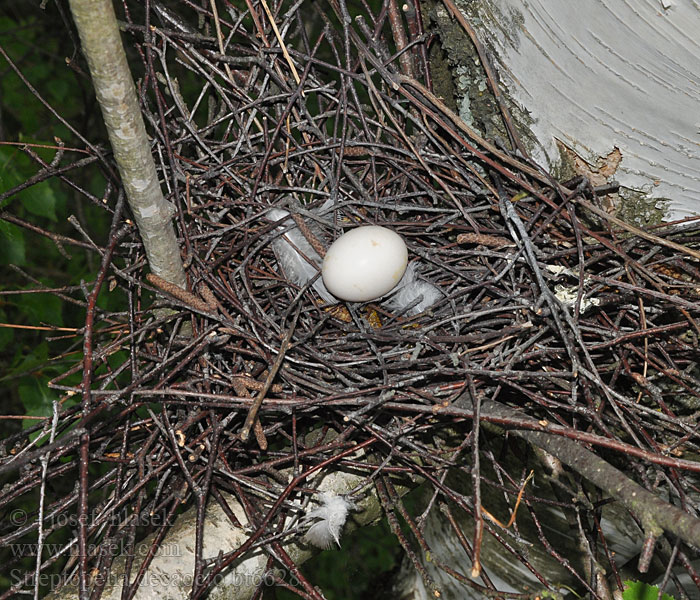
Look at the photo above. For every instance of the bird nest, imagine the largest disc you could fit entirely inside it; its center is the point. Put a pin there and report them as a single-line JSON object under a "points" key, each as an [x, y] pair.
{"points": [[549, 307]]}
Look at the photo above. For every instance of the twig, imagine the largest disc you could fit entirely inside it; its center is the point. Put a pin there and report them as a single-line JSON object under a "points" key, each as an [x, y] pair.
{"points": [[253, 410]]}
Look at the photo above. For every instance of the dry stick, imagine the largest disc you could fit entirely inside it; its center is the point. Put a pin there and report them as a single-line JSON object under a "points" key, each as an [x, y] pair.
{"points": [[305, 135], [414, 18], [635, 230], [397, 82], [240, 388], [400, 39], [457, 121], [406, 139], [38, 328], [291, 486], [47, 171], [220, 39], [95, 150], [86, 404], [483, 239], [490, 587], [395, 527], [655, 514], [514, 513], [253, 411], [476, 481], [285, 52], [57, 238], [519, 421]]}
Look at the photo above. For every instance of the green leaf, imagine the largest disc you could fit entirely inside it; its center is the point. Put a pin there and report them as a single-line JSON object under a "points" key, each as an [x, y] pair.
{"points": [[16, 168], [36, 397], [38, 400], [25, 362], [6, 333], [61, 89], [10, 167], [42, 308], [40, 200], [637, 590], [12, 248]]}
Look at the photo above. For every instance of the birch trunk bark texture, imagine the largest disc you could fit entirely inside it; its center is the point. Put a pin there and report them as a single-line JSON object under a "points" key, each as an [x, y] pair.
{"points": [[170, 574], [613, 84], [116, 94]]}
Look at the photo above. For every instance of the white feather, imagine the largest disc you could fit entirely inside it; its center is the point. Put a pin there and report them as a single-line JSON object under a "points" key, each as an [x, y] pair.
{"points": [[296, 268], [328, 520], [409, 289]]}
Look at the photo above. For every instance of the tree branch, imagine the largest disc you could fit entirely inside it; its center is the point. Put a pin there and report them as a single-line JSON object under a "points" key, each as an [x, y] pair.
{"points": [[656, 514], [116, 94]]}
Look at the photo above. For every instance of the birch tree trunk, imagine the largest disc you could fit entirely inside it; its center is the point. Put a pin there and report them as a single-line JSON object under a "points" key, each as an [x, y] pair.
{"points": [[604, 88], [170, 573], [610, 87], [116, 94]]}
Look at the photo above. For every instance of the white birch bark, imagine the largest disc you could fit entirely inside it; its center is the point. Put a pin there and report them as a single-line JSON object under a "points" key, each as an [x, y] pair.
{"points": [[169, 576], [593, 74], [601, 74]]}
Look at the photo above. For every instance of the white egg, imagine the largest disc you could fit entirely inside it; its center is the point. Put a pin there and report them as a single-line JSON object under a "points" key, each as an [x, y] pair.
{"points": [[364, 264]]}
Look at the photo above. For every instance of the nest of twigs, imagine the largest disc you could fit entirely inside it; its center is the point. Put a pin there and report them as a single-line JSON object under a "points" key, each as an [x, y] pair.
{"points": [[548, 304]]}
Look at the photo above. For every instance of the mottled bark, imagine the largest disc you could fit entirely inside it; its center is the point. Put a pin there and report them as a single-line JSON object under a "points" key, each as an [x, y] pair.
{"points": [[116, 94]]}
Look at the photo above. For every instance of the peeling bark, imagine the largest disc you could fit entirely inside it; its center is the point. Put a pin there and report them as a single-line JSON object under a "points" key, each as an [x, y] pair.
{"points": [[594, 76]]}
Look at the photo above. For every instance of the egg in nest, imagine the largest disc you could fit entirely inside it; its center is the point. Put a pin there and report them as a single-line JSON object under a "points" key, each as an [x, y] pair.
{"points": [[364, 264]]}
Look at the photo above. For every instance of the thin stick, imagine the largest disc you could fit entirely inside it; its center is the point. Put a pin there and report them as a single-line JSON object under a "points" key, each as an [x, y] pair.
{"points": [[635, 230], [490, 76], [285, 52], [253, 411], [220, 39], [515, 510], [38, 327]]}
